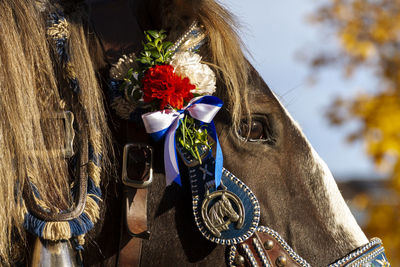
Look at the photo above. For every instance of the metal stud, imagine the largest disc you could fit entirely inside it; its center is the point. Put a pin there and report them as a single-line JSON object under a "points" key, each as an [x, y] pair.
{"points": [[269, 244], [239, 259], [281, 261]]}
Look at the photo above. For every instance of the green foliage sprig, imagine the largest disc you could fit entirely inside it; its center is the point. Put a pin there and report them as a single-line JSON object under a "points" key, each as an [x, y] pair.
{"points": [[192, 136], [156, 50], [131, 86]]}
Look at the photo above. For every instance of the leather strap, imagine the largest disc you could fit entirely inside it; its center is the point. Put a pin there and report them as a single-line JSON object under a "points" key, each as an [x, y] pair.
{"points": [[263, 250], [137, 170], [136, 208], [134, 227]]}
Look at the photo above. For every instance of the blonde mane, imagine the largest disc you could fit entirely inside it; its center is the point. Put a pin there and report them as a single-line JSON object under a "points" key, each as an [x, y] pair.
{"points": [[31, 140]]}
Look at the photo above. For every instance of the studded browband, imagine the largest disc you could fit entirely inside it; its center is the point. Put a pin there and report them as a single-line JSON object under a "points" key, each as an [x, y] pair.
{"points": [[267, 248]]}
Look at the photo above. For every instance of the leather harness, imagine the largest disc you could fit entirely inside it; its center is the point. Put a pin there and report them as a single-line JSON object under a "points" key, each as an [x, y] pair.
{"points": [[266, 247], [134, 222], [262, 249], [137, 176]]}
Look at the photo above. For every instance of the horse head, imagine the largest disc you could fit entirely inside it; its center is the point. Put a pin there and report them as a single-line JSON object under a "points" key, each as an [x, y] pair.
{"points": [[228, 210], [262, 145], [298, 195], [222, 214]]}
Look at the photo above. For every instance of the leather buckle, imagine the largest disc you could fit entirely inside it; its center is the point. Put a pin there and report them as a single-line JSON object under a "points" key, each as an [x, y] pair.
{"points": [[68, 118], [69, 133], [137, 165]]}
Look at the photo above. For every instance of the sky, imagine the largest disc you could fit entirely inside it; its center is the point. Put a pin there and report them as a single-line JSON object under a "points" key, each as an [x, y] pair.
{"points": [[275, 32]]}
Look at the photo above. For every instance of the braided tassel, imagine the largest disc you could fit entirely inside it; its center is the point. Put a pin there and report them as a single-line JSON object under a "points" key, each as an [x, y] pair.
{"points": [[65, 230], [59, 33]]}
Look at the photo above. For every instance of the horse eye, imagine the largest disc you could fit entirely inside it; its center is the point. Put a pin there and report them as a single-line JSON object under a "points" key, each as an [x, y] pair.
{"points": [[255, 131], [258, 130]]}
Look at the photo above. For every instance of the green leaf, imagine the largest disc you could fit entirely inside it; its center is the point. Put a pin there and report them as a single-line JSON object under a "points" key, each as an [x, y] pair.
{"points": [[154, 34], [168, 55], [130, 71], [167, 45], [150, 46], [192, 136], [148, 38], [155, 54], [144, 60], [163, 36]]}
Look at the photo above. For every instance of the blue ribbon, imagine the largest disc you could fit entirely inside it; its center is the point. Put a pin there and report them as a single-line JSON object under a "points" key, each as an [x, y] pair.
{"points": [[164, 123]]}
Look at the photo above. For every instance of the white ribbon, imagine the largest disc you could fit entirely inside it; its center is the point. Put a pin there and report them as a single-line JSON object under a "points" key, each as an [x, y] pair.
{"points": [[165, 123]]}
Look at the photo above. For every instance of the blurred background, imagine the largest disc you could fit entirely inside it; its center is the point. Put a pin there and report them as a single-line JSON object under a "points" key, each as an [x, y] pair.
{"points": [[335, 65]]}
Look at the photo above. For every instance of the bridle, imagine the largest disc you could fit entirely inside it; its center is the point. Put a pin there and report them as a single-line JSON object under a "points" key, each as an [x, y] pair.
{"points": [[265, 247]]}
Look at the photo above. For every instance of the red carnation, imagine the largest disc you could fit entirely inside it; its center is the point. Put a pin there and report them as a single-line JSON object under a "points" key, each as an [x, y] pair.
{"points": [[160, 82]]}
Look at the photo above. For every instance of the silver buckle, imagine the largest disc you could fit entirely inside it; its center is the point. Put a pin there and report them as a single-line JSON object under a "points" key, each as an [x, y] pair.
{"points": [[68, 118], [69, 133], [146, 160]]}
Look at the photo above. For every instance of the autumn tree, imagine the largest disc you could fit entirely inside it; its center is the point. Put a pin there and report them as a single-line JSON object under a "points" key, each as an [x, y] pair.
{"points": [[369, 35]]}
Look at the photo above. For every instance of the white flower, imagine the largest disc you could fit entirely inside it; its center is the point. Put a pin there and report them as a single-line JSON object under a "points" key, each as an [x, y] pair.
{"points": [[187, 64]]}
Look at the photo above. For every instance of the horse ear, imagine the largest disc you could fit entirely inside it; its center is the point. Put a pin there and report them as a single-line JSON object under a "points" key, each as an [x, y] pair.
{"points": [[223, 197], [185, 6]]}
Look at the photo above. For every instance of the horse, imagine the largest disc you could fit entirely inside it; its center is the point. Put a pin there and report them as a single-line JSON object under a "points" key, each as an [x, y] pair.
{"points": [[222, 214], [262, 144]]}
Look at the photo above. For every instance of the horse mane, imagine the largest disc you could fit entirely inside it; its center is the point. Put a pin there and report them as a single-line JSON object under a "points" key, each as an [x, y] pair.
{"points": [[223, 51], [31, 84]]}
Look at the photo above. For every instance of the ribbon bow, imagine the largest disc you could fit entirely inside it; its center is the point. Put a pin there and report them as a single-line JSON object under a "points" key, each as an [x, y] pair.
{"points": [[165, 123]]}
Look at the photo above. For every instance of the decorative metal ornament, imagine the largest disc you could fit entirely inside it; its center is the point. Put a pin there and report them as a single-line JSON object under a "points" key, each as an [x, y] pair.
{"points": [[260, 253], [225, 215], [281, 261], [219, 215], [68, 118], [191, 40], [371, 254]]}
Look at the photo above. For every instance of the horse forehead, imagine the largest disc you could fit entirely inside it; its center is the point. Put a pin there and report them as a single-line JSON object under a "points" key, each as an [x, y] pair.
{"points": [[265, 101]]}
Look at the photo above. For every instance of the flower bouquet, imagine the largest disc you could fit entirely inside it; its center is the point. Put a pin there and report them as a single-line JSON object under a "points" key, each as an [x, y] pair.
{"points": [[176, 87]]}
